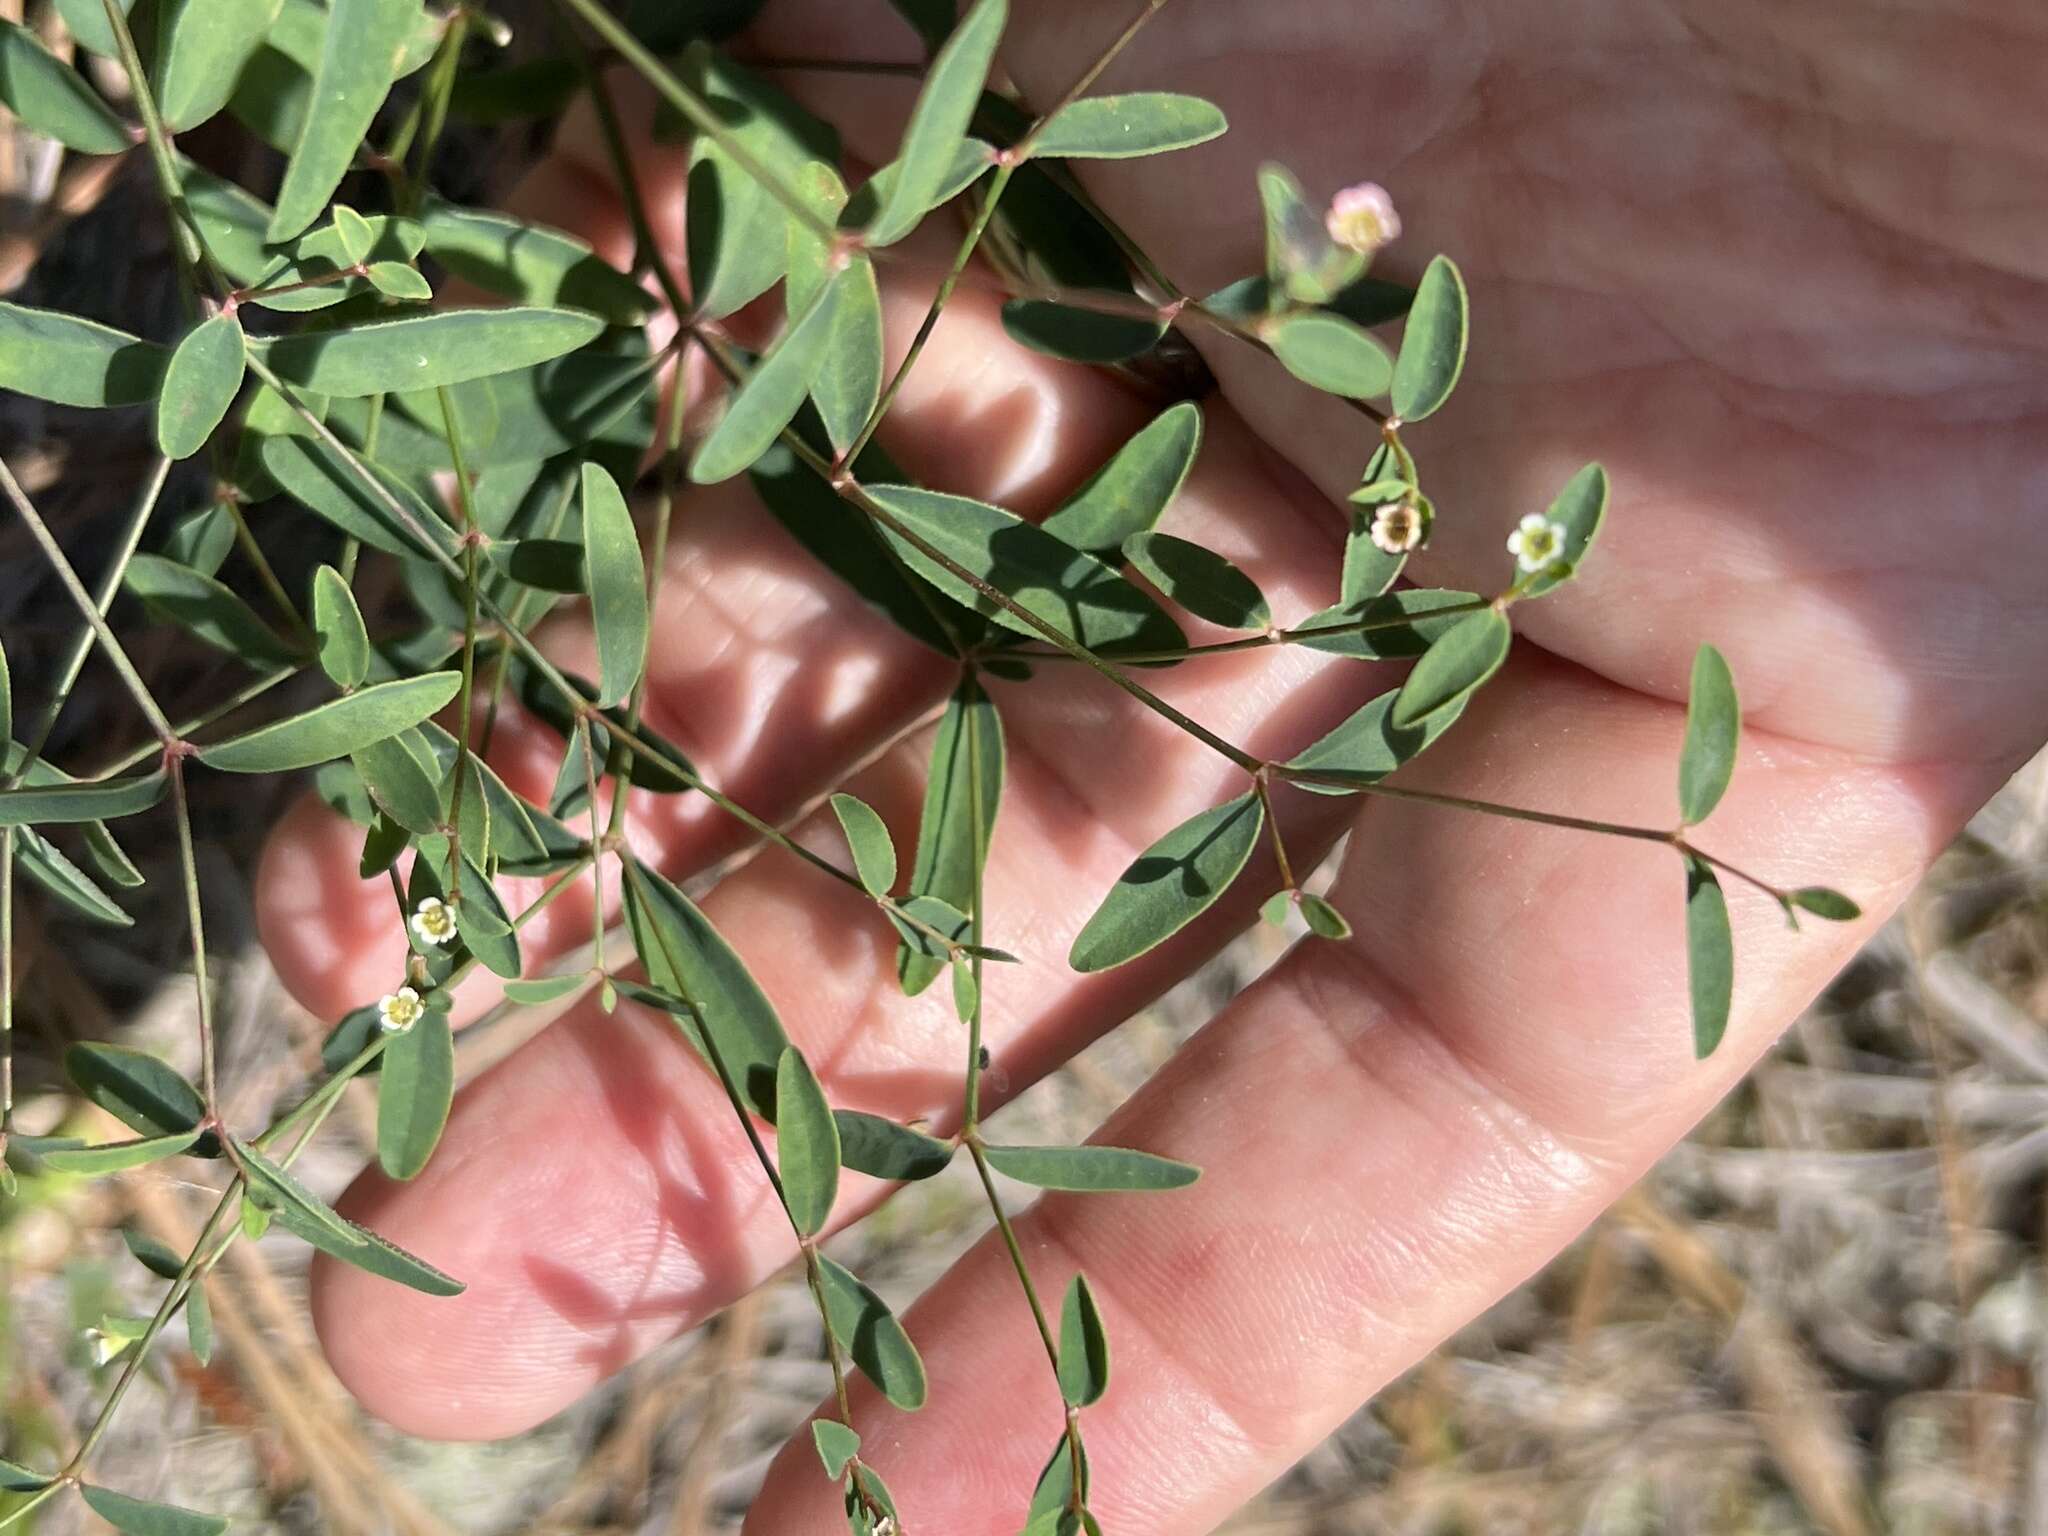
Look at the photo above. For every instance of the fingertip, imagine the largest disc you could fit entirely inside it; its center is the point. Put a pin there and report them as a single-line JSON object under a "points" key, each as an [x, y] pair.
{"points": [[330, 933]]}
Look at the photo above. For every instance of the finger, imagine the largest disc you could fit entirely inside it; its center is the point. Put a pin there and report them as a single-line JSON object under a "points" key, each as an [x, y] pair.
{"points": [[1393, 1131], [656, 1211], [767, 672]]}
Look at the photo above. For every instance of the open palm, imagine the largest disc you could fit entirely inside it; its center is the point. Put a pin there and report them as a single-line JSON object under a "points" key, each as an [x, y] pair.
{"points": [[1774, 269]]}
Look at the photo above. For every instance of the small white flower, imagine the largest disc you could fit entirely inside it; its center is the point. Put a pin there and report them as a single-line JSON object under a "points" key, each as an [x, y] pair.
{"points": [[1362, 218], [399, 1011], [1538, 544], [434, 921], [1397, 528]]}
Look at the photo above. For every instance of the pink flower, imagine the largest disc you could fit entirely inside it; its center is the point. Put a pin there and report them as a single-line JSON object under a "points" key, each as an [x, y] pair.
{"points": [[1362, 218]]}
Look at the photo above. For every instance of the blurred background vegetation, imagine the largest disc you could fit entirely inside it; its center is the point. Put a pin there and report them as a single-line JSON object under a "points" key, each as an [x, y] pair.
{"points": [[1824, 1311]]}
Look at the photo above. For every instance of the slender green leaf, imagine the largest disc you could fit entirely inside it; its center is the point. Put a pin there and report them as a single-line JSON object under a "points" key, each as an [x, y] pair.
{"points": [[1091, 1169], [806, 1144], [1129, 492], [1396, 624], [368, 1252], [201, 47], [1579, 509], [337, 728], [967, 751], [143, 1093], [771, 395], [413, 1094], [6, 698], [1084, 1347], [1713, 730], [969, 162], [43, 862], [1331, 353], [882, 1149], [618, 586], [867, 837], [1074, 593], [685, 955], [428, 351], [114, 1156], [199, 1321], [1079, 335], [1120, 127], [200, 383], [1368, 745], [354, 74], [945, 106], [837, 1445], [402, 784], [280, 1190], [1710, 956], [160, 1259], [50, 356], [485, 924], [1053, 1495], [1433, 346], [544, 989], [530, 263], [83, 800], [338, 626], [847, 384], [52, 98], [1200, 580], [207, 610], [868, 1331], [1457, 664], [1302, 260], [321, 481], [138, 1517], [1170, 884]]}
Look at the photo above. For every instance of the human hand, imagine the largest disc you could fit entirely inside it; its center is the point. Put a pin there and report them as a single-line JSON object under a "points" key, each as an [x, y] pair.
{"points": [[1765, 268]]}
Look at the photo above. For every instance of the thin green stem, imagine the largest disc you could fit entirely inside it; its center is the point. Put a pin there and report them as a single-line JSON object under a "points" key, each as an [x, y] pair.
{"points": [[130, 678], [6, 987], [434, 107], [979, 1154], [188, 865], [81, 647], [971, 1108], [245, 538], [471, 549], [583, 735], [185, 728], [1299, 635], [1263, 788]]}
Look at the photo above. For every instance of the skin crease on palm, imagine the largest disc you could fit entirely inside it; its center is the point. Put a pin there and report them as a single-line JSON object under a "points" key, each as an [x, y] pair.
{"points": [[1775, 266]]}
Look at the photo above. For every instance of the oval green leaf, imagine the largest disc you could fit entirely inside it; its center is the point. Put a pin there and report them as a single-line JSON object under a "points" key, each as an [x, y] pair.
{"points": [[1396, 624], [1120, 127], [56, 357], [1829, 905], [1200, 580], [1129, 492], [837, 1445], [358, 49], [335, 729], [1709, 955], [1331, 353], [1461, 659], [545, 989], [1170, 884], [401, 784], [113, 1156], [1368, 746], [1073, 593], [207, 610], [968, 753], [1324, 920], [51, 98], [201, 46], [143, 1093], [139, 1517], [938, 122], [1084, 1347], [530, 263], [806, 1144], [868, 1331], [319, 479], [618, 586], [1091, 1170], [1433, 346], [338, 628], [867, 837], [200, 383], [1713, 730], [428, 351], [882, 1149], [413, 1094]]}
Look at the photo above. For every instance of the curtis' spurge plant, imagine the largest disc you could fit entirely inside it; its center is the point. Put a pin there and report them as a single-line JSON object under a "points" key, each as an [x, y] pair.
{"points": [[484, 453]]}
